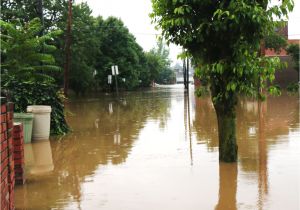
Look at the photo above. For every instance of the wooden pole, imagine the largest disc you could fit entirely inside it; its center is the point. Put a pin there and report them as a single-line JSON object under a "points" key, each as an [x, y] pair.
{"points": [[68, 49], [41, 15]]}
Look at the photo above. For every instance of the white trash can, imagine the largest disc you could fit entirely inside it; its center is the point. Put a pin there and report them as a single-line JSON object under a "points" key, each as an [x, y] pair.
{"points": [[41, 121]]}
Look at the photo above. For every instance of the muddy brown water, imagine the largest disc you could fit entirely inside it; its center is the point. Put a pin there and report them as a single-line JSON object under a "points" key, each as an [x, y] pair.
{"points": [[158, 149]]}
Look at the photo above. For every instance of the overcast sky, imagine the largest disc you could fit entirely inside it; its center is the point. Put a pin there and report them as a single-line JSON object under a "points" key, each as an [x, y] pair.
{"points": [[135, 15]]}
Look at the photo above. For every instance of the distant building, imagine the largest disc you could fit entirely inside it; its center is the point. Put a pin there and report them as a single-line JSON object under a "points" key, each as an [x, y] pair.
{"points": [[178, 69], [289, 75], [284, 32]]}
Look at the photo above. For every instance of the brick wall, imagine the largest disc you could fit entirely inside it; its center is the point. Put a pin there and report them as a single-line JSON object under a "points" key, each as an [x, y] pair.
{"points": [[7, 176]]}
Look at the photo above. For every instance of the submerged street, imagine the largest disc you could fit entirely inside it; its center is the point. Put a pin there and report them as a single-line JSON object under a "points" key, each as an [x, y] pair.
{"points": [[158, 149]]}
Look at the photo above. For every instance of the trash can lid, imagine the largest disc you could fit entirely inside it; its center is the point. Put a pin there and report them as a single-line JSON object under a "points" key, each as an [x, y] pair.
{"points": [[17, 123], [23, 116], [39, 109]]}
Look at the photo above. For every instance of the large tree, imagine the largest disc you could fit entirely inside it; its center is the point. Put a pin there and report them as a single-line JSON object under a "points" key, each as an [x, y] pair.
{"points": [[223, 37], [118, 47], [158, 64]]}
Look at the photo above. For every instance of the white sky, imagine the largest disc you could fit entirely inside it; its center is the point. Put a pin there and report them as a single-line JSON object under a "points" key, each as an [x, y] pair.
{"points": [[135, 15]]}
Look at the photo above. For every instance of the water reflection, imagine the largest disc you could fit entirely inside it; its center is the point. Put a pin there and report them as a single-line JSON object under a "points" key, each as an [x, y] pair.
{"points": [[38, 156], [158, 149], [187, 123], [260, 125], [227, 186], [100, 137]]}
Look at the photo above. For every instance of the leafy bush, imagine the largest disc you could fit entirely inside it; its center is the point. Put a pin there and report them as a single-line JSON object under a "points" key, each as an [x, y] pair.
{"points": [[293, 87], [38, 93], [26, 67]]}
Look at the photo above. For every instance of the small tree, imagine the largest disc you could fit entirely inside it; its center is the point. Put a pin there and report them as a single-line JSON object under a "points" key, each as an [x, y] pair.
{"points": [[26, 70], [224, 38], [275, 41]]}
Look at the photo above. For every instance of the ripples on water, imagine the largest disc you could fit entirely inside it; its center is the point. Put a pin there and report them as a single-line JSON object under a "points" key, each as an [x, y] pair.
{"points": [[158, 149]]}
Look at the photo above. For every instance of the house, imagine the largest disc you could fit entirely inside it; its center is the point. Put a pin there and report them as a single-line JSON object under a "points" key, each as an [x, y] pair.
{"points": [[288, 75]]}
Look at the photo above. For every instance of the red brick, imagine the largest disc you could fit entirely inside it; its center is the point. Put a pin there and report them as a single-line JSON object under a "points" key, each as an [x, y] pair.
{"points": [[10, 124], [9, 133], [11, 165], [4, 174], [19, 155], [3, 145], [10, 142], [4, 154], [3, 127], [19, 148], [3, 108], [3, 136], [18, 142], [18, 162], [3, 184], [4, 165], [11, 178], [19, 170], [10, 116], [3, 118], [17, 135]]}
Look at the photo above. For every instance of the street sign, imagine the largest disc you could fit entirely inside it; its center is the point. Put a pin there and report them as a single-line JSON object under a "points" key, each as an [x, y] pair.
{"points": [[113, 70], [109, 79], [116, 70]]}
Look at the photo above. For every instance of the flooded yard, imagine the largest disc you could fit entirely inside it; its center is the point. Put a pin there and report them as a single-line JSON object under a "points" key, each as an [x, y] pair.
{"points": [[158, 149]]}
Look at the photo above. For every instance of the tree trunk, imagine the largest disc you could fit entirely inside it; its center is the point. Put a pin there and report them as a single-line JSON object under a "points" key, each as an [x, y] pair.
{"points": [[225, 109], [227, 135]]}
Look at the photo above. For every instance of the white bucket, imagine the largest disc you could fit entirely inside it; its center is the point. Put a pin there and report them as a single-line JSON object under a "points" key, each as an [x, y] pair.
{"points": [[41, 121]]}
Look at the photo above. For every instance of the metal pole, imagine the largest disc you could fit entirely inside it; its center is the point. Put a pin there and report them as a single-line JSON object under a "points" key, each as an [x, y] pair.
{"points": [[68, 49], [184, 73], [187, 73], [116, 74], [117, 86]]}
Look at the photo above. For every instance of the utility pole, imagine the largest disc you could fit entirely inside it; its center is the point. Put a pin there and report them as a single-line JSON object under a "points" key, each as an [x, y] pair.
{"points": [[41, 15], [187, 73], [184, 73], [68, 49]]}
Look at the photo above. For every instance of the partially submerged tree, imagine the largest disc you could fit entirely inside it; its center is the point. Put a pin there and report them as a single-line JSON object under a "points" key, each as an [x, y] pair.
{"points": [[223, 37]]}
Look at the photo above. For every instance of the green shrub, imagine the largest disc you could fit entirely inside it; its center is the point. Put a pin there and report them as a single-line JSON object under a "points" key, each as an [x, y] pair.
{"points": [[33, 93], [293, 87], [26, 67]]}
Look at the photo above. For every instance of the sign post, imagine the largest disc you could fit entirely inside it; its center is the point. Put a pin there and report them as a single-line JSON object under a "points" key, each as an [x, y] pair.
{"points": [[115, 71]]}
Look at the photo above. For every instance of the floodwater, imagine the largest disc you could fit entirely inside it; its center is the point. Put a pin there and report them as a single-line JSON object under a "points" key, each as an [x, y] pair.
{"points": [[158, 149]]}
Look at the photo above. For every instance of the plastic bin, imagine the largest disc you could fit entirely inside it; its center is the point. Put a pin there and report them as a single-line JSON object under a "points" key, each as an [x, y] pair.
{"points": [[41, 121], [26, 119]]}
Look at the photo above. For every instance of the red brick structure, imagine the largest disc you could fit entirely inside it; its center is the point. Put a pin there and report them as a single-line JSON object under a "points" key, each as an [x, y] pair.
{"points": [[7, 175], [288, 75], [18, 142], [284, 32]]}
